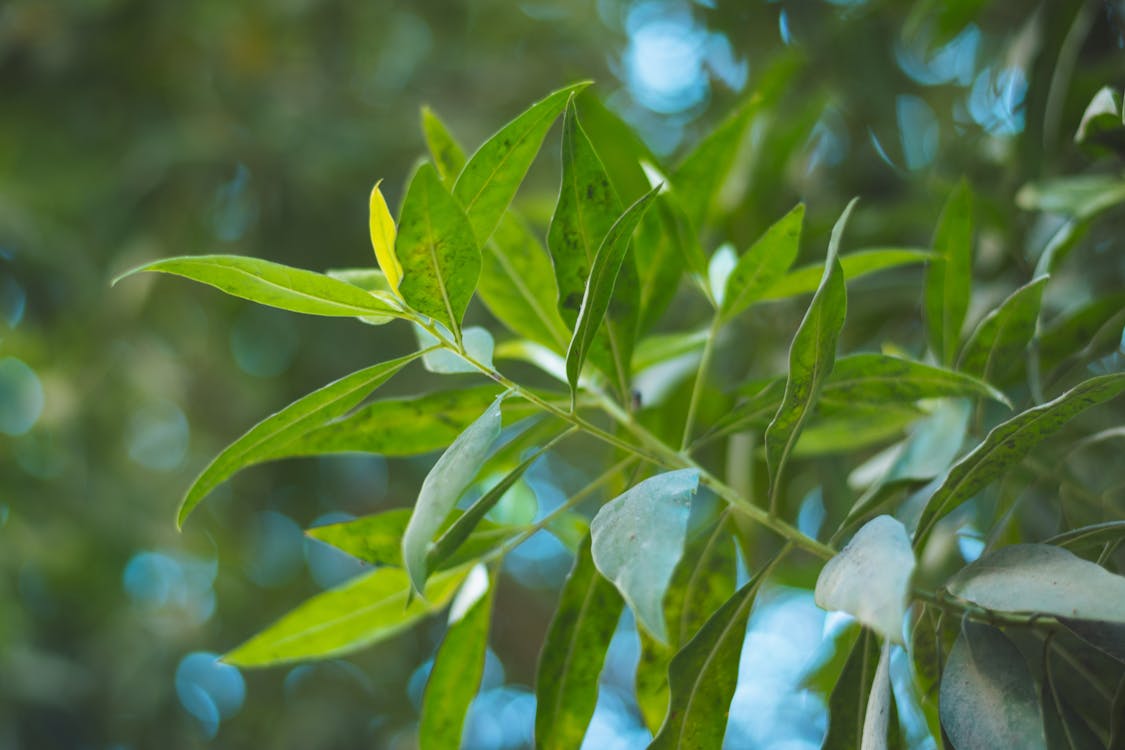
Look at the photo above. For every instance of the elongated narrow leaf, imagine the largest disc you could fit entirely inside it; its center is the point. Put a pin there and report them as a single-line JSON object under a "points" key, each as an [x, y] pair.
{"points": [[276, 432], [999, 341], [881, 379], [1089, 536], [870, 578], [275, 285], [811, 356], [661, 348], [638, 537], [880, 705], [703, 675], [847, 705], [440, 258], [856, 265], [853, 428], [661, 249], [442, 488], [988, 697], [364, 611], [764, 263], [698, 178], [404, 426], [949, 276], [492, 175], [705, 578], [1063, 726], [382, 227], [600, 287], [566, 684], [587, 209], [458, 666], [1041, 578], [1009, 442], [445, 151], [1066, 336]]}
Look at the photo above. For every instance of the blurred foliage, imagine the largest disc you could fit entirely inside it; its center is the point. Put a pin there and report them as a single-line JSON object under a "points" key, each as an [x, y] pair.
{"points": [[133, 130]]}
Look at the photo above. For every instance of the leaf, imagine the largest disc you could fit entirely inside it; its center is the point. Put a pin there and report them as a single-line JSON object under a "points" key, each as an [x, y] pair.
{"points": [[703, 676], [366, 610], [988, 697], [478, 344], [566, 683], [443, 486], [1009, 442], [660, 348], [1041, 578], [276, 432], [810, 360], [273, 284], [1001, 338], [1080, 196], [856, 265], [763, 264], [369, 280], [600, 287], [880, 704], [848, 701], [660, 249], [447, 154], [638, 538], [1065, 336], [698, 178], [587, 209], [382, 227], [404, 426], [492, 175], [949, 276], [1064, 727], [853, 428], [458, 666], [870, 578], [880, 379], [440, 259], [1089, 536]]}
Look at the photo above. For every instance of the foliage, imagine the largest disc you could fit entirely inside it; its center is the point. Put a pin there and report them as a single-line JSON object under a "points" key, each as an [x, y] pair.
{"points": [[1021, 608]]}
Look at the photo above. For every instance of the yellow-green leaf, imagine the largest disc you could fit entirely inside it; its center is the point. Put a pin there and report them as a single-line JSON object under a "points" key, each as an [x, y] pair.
{"points": [[382, 227]]}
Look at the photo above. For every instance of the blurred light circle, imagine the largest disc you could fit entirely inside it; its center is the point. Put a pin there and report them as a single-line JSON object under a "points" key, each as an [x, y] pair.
{"points": [[157, 436], [664, 58], [275, 550], [209, 690], [262, 342], [21, 397], [13, 301]]}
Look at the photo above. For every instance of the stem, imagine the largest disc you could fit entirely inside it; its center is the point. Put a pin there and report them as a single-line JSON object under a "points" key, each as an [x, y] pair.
{"points": [[700, 379], [947, 602]]}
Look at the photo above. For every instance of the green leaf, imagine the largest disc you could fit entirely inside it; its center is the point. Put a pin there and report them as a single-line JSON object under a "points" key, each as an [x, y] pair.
{"points": [[704, 674], [566, 684], [949, 276], [443, 486], [638, 537], [856, 427], [1081, 196], [870, 578], [458, 666], [447, 154], [492, 175], [600, 287], [856, 265], [279, 431], [763, 264], [988, 697], [1041, 578], [880, 704], [440, 259], [1009, 442], [660, 348], [810, 361], [1000, 340], [1090, 536], [1066, 336], [369, 280], [698, 179], [1064, 727], [275, 285], [587, 209], [478, 343], [404, 426], [366, 610], [880, 379], [847, 705], [661, 248]]}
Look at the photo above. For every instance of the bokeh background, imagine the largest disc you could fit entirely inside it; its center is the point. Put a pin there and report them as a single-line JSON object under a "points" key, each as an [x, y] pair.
{"points": [[133, 129]]}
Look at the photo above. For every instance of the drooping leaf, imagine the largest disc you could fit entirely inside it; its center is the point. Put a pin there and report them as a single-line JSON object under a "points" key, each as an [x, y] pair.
{"points": [[703, 675], [860, 263], [870, 578], [275, 285], [587, 208], [811, 356], [276, 432], [1009, 442], [638, 538], [440, 258], [492, 175], [1064, 727], [1042, 578], [382, 226], [458, 666], [363, 611], [600, 287], [1001, 338], [442, 488], [763, 264], [880, 705], [881, 379], [566, 683], [445, 151], [1089, 536], [987, 694], [854, 428], [847, 705], [930, 642], [949, 276]]}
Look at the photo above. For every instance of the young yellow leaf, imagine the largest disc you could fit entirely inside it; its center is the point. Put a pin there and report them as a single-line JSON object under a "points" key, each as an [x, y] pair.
{"points": [[383, 238]]}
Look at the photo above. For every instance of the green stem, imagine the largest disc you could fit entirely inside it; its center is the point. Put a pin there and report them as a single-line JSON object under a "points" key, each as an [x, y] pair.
{"points": [[700, 380], [947, 602]]}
